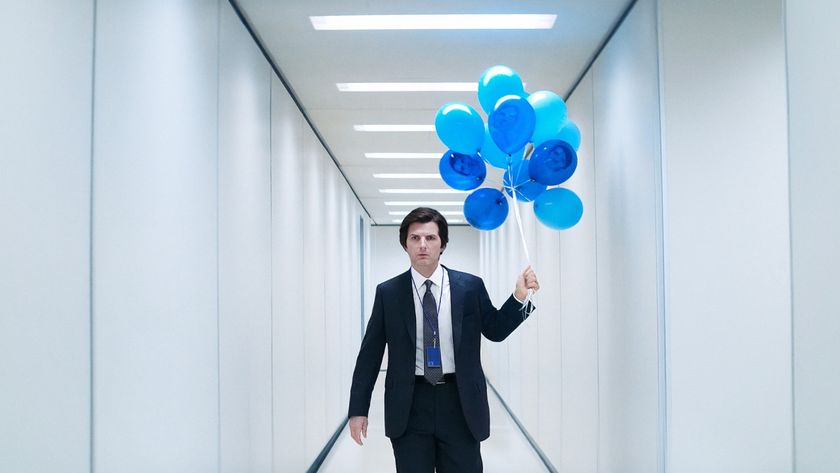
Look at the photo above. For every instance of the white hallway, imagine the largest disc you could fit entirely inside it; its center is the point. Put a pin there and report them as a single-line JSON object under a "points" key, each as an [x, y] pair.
{"points": [[185, 272]]}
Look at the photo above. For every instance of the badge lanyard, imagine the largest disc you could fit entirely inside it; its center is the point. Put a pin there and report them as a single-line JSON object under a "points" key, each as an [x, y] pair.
{"points": [[440, 299]]}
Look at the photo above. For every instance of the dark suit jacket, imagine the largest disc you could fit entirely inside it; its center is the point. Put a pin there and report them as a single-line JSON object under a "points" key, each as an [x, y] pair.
{"points": [[392, 323]]}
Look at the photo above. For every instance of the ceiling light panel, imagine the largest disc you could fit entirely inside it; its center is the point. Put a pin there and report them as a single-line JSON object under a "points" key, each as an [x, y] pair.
{"points": [[407, 86], [435, 22], [407, 175], [422, 191], [392, 128], [423, 203], [403, 155], [403, 213]]}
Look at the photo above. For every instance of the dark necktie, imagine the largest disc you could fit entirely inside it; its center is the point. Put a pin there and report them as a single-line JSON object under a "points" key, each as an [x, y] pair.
{"points": [[431, 335]]}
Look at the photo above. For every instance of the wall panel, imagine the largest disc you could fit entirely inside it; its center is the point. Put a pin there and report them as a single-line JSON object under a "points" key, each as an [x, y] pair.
{"points": [[288, 305], [155, 294], [814, 100], [728, 289], [244, 250], [45, 164], [626, 147], [577, 339]]}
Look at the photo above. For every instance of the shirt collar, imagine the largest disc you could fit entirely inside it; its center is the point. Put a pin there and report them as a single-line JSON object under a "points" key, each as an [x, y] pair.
{"points": [[436, 278]]}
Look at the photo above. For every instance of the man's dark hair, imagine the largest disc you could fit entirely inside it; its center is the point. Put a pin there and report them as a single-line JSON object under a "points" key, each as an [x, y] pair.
{"points": [[425, 215]]}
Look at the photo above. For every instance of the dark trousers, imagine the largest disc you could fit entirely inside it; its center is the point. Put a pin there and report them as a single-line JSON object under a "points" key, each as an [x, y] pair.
{"points": [[437, 436]]}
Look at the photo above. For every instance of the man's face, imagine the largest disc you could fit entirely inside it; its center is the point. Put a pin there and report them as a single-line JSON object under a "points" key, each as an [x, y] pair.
{"points": [[423, 247]]}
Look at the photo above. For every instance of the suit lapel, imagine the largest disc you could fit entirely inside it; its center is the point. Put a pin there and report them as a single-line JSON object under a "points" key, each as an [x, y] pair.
{"points": [[405, 301], [456, 299]]}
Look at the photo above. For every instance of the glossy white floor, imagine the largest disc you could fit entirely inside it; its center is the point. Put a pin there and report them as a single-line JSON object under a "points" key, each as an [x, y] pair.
{"points": [[506, 450]]}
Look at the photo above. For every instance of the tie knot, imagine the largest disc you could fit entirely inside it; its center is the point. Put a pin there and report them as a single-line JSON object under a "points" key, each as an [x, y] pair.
{"points": [[428, 284]]}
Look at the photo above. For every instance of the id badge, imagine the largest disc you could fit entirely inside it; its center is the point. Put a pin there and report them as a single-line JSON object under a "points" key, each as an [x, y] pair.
{"points": [[433, 357]]}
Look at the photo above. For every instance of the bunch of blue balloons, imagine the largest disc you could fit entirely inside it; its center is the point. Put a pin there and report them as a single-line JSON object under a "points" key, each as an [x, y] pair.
{"points": [[515, 118]]}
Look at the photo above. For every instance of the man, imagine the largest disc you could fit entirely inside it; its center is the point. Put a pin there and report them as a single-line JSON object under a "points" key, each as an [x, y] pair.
{"points": [[432, 318]]}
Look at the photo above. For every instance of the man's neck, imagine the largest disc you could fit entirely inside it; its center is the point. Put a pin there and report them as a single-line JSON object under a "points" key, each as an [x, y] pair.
{"points": [[426, 273]]}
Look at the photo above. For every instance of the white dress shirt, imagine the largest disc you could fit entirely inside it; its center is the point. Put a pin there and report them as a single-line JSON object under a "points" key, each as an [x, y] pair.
{"points": [[439, 279]]}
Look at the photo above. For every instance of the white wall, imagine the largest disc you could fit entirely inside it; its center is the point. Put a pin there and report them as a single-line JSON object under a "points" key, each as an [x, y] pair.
{"points": [[728, 250], [813, 58], [45, 159], [155, 306], [245, 250], [221, 279], [689, 275]]}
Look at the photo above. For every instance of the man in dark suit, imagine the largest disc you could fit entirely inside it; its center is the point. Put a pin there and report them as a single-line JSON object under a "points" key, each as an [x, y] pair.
{"points": [[432, 318]]}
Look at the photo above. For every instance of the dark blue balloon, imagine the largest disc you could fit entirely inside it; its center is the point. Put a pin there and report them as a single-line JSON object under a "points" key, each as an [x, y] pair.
{"points": [[552, 162], [486, 209], [512, 123], [558, 208], [462, 171], [526, 188]]}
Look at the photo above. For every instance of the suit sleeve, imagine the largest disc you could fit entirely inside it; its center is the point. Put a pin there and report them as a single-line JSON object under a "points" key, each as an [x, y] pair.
{"points": [[497, 324], [368, 361]]}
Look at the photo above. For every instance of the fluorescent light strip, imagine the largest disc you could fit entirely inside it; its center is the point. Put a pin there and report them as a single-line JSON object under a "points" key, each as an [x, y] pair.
{"points": [[422, 191], [394, 127], [423, 203], [407, 175], [407, 86], [403, 155], [435, 22], [449, 220], [445, 212]]}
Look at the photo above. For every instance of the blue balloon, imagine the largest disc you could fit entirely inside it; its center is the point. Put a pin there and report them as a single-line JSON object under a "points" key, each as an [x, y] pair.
{"points": [[462, 171], [526, 188], [558, 208], [511, 124], [552, 162], [551, 114], [485, 209], [496, 157], [570, 133], [495, 83], [460, 128]]}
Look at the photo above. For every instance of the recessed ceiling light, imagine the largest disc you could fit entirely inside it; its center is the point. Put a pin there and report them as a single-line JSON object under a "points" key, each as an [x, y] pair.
{"points": [[449, 220], [422, 203], [407, 175], [444, 212], [421, 191], [394, 127], [407, 86], [403, 155], [435, 22]]}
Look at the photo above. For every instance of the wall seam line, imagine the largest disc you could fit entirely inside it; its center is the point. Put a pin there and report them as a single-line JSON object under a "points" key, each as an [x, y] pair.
{"points": [[790, 246], [91, 424]]}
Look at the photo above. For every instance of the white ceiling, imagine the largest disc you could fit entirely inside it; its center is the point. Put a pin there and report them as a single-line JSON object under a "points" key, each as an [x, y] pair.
{"points": [[314, 61]]}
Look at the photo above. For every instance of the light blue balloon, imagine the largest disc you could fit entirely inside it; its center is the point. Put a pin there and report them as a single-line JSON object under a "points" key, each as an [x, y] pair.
{"points": [[495, 83], [552, 162], [485, 209], [496, 157], [462, 171], [460, 128], [570, 133], [511, 124], [526, 188], [551, 114], [558, 208]]}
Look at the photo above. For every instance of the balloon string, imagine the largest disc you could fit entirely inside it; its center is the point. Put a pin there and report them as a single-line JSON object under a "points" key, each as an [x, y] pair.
{"points": [[513, 192]]}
